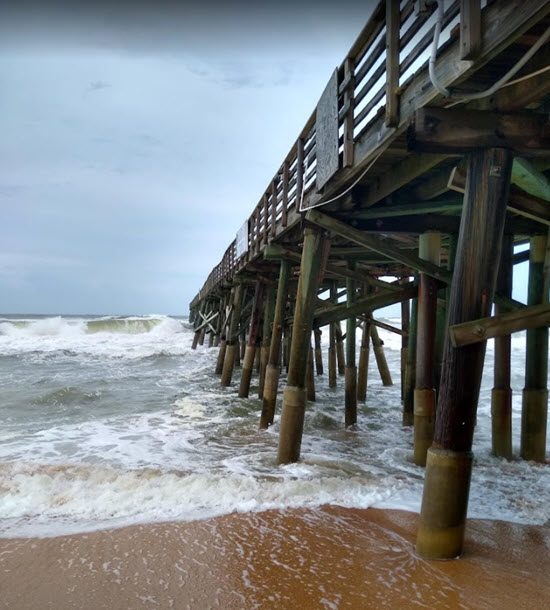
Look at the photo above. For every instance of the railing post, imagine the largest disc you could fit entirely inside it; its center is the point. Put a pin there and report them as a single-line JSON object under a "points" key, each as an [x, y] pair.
{"points": [[392, 62], [470, 28]]}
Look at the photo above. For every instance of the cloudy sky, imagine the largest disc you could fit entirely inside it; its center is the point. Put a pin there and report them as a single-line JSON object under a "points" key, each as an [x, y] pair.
{"points": [[136, 140]]}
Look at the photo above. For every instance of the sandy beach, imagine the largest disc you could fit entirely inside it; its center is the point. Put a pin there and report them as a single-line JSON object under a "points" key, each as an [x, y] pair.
{"points": [[329, 557]]}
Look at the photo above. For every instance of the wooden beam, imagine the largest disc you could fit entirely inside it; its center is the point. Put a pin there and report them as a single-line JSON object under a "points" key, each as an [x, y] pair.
{"points": [[470, 28], [419, 207], [498, 326], [530, 179], [529, 206], [377, 244], [450, 130], [410, 224], [339, 312]]}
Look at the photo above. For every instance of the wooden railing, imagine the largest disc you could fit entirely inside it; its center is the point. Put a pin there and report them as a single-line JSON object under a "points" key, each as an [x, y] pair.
{"points": [[393, 47]]}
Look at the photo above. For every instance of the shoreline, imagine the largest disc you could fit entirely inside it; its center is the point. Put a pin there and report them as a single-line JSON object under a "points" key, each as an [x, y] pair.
{"points": [[328, 557]]}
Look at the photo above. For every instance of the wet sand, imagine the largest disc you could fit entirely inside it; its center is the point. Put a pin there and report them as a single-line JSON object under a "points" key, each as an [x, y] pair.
{"points": [[323, 558]]}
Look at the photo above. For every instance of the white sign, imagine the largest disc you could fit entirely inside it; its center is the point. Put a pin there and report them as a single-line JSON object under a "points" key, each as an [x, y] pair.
{"points": [[241, 247]]}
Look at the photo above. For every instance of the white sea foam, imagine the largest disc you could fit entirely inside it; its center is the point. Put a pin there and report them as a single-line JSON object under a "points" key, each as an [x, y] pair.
{"points": [[111, 427]]}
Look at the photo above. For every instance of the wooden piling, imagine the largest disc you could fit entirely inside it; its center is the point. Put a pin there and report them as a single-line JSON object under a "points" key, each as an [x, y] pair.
{"points": [[405, 323], [250, 352], [273, 364], [332, 342], [340, 353], [410, 376], [363, 368], [501, 395], [424, 393], [294, 395], [534, 411], [223, 333], [232, 344], [266, 336], [351, 368], [318, 352], [449, 463], [310, 377], [380, 356]]}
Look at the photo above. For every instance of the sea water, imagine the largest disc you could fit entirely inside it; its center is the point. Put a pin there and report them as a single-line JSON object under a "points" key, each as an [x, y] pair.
{"points": [[112, 421]]}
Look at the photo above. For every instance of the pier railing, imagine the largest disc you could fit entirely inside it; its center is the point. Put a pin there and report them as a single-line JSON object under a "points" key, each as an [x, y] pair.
{"points": [[370, 85]]}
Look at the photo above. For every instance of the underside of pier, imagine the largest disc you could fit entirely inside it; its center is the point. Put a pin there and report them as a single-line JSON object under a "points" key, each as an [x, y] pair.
{"points": [[425, 162]]}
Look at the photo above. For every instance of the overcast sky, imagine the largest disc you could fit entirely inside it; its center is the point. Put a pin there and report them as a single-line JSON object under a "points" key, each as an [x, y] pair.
{"points": [[135, 142]]}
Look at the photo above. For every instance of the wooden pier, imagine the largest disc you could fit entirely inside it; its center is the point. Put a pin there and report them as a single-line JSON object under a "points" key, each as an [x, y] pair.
{"points": [[425, 161]]}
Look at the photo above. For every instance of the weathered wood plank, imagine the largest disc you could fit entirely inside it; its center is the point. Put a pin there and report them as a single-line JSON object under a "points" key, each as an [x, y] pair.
{"points": [[498, 326], [326, 128], [392, 62], [451, 130], [470, 28]]}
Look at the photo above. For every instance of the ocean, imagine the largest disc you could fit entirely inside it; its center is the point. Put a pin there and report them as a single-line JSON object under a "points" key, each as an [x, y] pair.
{"points": [[112, 421]]}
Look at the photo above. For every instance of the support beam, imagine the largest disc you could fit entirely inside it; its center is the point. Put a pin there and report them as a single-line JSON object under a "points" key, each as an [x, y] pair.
{"points": [[449, 463], [294, 395], [351, 368], [424, 393], [250, 351], [410, 377], [273, 365], [318, 352], [534, 412], [501, 395], [380, 357], [458, 130], [500, 325], [232, 345], [363, 369], [269, 307], [332, 341]]}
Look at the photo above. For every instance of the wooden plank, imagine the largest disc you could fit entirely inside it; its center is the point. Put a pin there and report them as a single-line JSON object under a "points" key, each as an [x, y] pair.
{"points": [[470, 28], [326, 129], [451, 130], [392, 62], [266, 218], [499, 326], [285, 195], [378, 245], [348, 118], [299, 173], [273, 207]]}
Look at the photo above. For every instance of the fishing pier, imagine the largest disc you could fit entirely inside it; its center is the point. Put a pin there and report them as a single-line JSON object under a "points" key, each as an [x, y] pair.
{"points": [[424, 164]]}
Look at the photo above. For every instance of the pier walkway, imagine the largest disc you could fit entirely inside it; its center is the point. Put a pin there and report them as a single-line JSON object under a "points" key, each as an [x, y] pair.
{"points": [[423, 165]]}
